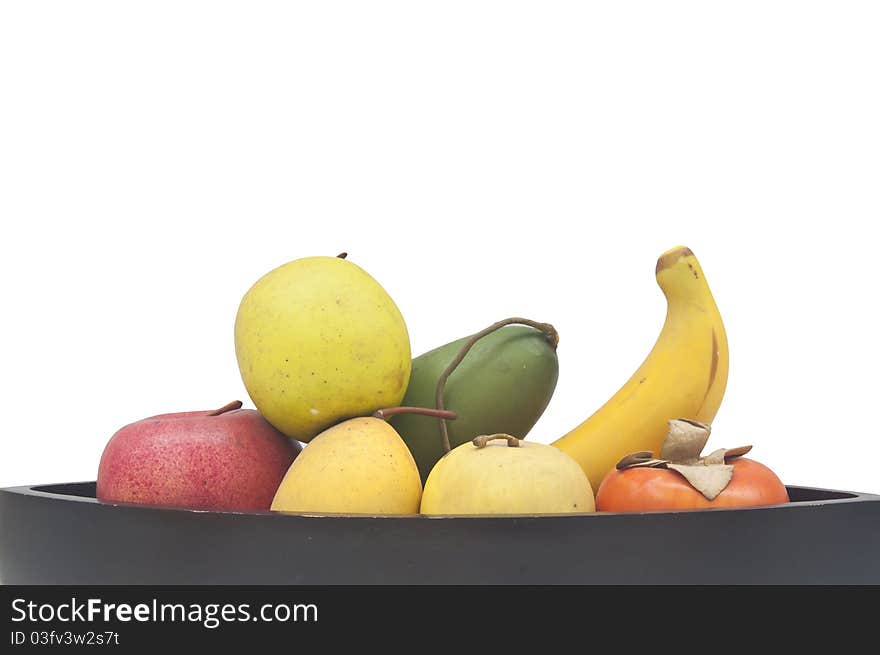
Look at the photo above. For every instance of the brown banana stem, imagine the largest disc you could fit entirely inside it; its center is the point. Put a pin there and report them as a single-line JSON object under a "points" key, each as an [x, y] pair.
{"points": [[228, 407], [549, 331], [424, 411], [342, 255]]}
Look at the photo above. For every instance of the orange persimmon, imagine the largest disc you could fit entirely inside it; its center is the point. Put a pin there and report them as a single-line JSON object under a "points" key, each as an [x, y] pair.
{"points": [[644, 489]]}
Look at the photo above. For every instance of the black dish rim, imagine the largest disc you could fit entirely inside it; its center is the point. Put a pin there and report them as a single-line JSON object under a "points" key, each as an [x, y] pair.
{"points": [[84, 492]]}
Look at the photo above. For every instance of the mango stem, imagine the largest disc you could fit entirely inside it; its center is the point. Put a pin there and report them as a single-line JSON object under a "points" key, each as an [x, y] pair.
{"points": [[549, 331], [424, 411]]}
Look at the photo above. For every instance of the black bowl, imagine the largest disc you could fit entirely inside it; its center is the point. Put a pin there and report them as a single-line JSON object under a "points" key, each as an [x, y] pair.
{"points": [[59, 534]]}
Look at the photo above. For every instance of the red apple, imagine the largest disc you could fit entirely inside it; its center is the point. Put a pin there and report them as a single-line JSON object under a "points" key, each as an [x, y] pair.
{"points": [[226, 459]]}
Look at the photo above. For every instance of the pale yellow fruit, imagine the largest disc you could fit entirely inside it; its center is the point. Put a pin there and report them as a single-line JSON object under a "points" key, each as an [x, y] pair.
{"points": [[532, 478], [318, 340], [360, 466], [684, 376]]}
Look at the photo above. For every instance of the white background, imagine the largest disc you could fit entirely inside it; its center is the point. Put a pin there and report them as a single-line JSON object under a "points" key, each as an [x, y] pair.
{"points": [[479, 159]]}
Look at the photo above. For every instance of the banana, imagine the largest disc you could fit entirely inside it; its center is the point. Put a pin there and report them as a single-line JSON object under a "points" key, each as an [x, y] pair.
{"points": [[684, 376]]}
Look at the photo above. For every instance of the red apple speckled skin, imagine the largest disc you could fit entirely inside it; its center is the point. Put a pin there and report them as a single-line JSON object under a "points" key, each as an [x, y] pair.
{"points": [[230, 461]]}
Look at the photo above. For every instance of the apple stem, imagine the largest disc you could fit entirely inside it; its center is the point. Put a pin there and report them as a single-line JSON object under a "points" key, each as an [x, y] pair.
{"points": [[228, 407], [550, 334], [424, 411]]}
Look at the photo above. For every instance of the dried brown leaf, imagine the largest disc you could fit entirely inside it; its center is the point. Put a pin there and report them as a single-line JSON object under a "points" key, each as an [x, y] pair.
{"points": [[708, 480]]}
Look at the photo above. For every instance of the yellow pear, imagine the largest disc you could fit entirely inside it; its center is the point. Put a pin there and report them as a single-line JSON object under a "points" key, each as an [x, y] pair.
{"points": [[484, 476], [360, 466], [318, 340]]}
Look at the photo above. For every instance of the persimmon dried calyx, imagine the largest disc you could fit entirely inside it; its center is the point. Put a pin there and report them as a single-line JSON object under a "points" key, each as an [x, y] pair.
{"points": [[681, 452]]}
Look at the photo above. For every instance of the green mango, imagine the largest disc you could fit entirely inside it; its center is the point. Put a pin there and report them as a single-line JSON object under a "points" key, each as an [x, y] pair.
{"points": [[503, 384]]}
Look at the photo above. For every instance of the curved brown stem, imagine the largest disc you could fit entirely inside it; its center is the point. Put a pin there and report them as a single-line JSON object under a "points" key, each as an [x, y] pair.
{"points": [[228, 407], [549, 331], [424, 411], [483, 440]]}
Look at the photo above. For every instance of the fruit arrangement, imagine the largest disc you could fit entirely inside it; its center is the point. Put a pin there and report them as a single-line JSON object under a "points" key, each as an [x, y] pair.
{"points": [[348, 422]]}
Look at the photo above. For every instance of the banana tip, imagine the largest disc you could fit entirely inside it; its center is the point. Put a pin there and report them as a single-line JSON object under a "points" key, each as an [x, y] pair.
{"points": [[671, 256]]}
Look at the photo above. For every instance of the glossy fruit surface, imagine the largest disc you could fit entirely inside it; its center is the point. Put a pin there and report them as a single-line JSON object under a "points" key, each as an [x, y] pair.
{"points": [[657, 489]]}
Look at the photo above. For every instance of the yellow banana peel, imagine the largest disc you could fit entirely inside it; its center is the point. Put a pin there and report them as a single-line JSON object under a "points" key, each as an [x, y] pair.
{"points": [[684, 376]]}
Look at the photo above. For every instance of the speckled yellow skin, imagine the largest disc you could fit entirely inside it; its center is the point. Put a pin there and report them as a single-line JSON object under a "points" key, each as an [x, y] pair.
{"points": [[533, 478], [684, 375], [360, 466], [318, 340]]}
